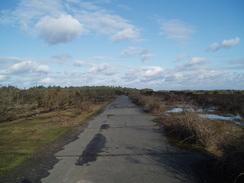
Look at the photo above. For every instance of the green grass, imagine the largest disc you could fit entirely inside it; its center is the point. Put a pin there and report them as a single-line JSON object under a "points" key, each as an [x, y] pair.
{"points": [[20, 139]]}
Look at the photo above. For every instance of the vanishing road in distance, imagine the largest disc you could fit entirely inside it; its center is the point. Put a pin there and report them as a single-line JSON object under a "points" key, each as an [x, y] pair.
{"points": [[123, 144]]}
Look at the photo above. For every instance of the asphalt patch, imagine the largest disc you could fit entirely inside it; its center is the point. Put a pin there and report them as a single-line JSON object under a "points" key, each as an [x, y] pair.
{"points": [[104, 127], [94, 147]]}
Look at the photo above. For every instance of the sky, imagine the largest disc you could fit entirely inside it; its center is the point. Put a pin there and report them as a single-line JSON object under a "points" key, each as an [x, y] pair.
{"points": [[157, 44]]}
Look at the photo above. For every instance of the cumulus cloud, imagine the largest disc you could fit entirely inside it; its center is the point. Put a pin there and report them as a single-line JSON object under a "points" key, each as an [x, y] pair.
{"points": [[105, 23], [60, 21], [145, 73], [80, 63], [6, 62], [42, 68], [193, 64], [102, 68], [224, 44], [46, 81], [149, 71], [196, 60], [96, 69], [20, 68], [130, 52], [25, 68], [126, 34], [176, 29], [59, 30], [144, 53]]}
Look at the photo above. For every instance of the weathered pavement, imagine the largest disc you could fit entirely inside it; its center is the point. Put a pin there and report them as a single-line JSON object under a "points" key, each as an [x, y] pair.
{"points": [[123, 145]]}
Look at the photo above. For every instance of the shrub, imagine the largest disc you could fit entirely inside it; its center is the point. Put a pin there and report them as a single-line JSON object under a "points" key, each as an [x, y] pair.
{"points": [[222, 139]]}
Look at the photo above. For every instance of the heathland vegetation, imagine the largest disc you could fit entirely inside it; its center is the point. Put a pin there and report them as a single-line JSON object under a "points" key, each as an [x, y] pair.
{"points": [[32, 118], [223, 140]]}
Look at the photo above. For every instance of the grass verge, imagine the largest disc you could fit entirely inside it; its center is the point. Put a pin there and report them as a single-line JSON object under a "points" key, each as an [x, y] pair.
{"points": [[21, 138]]}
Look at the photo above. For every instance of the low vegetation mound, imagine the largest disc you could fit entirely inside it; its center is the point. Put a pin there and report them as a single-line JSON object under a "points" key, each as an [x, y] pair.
{"points": [[223, 139]]}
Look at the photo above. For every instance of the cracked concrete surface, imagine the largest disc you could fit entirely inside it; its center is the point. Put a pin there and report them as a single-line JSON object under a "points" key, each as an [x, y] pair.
{"points": [[123, 145]]}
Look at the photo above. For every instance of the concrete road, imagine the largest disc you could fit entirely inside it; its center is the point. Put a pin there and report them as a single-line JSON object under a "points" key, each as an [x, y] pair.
{"points": [[123, 145]]}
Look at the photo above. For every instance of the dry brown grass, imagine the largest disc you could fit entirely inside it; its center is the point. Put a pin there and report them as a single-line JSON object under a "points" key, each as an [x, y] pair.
{"points": [[20, 139], [149, 103], [221, 138]]}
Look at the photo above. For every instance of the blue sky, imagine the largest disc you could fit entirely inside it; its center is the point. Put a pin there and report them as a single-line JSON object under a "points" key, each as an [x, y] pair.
{"points": [[158, 44]]}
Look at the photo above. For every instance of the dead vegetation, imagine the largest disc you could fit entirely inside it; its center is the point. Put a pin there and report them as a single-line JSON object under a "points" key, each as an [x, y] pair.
{"points": [[33, 118], [17, 103], [223, 139]]}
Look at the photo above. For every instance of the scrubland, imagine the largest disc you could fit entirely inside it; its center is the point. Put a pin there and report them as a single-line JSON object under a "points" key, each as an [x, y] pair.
{"points": [[32, 118], [221, 139]]}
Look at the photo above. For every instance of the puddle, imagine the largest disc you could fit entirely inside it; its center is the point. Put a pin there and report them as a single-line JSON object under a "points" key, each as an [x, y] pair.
{"points": [[179, 109], [209, 109], [104, 127], [94, 147], [190, 108], [34, 115], [231, 118], [228, 118]]}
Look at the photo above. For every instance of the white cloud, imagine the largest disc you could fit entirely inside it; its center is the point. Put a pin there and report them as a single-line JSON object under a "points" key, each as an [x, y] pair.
{"points": [[101, 58], [225, 44], [130, 52], [59, 30], [46, 81], [144, 74], [231, 42], [126, 34], [105, 23], [96, 69], [24, 69], [197, 60], [177, 30], [20, 68], [6, 62], [80, 63], [144, 53], [2, 77], [42, 68], [102, 68], [193, 64], [60, 21], [149, 71]]}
